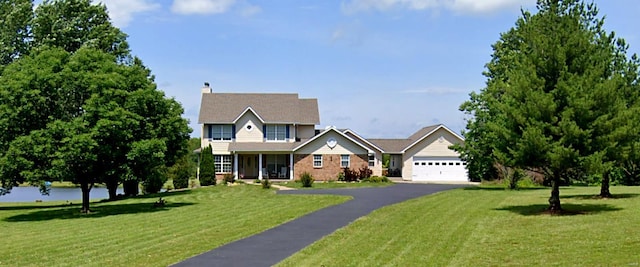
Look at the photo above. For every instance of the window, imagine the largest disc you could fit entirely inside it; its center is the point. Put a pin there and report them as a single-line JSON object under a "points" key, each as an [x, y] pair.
{"points": [[424, 163], [344, 161], [450, 163], [417, 163], [276, 132], [437, 163], [222, 163], [457, 163], [372, 160], [221, 132], [430, 163], [317, 161]]}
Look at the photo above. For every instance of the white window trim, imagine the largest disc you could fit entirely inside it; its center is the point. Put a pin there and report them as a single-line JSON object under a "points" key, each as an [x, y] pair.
{"points": [[219, 165], [371, 162], [222, 126], [314, 160], [284, 126], [348, 161]]}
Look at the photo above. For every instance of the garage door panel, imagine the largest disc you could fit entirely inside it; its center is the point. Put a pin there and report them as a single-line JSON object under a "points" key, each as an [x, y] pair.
{"points": [[438, 169]]}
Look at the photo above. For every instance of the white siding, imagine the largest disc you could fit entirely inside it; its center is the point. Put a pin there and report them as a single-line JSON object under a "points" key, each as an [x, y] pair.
{"points": [[344, 146], [432, 146], [245, 135], [219, 147]]}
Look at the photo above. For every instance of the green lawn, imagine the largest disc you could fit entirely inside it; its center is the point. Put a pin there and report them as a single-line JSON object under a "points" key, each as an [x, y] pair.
{"points": [[489, 227], [134, 233], [327, 185]]}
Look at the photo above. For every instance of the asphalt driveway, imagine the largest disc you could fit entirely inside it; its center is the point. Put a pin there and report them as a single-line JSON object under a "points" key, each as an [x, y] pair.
{"points": [[276, 244]]}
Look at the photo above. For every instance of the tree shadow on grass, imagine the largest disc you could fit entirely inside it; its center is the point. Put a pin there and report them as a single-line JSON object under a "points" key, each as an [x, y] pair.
{"points": [[500, 188], [73, 211], [76, 203], [594, 196], [567, 209]]}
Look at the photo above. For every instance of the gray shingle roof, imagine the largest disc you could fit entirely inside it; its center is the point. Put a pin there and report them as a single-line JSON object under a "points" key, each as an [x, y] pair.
{"points": [[272, 108], [265, 147], [398, 145]]}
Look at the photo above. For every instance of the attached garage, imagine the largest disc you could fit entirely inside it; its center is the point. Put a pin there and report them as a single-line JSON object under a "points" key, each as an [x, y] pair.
{"points": [[430, 169]]}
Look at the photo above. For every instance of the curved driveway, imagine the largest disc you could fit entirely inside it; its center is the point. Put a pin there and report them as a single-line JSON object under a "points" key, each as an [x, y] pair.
{"points": [[276, 244]]}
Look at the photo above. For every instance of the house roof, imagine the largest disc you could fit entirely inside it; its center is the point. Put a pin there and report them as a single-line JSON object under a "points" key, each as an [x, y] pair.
{"points": [[271, 108], [399, 146], [327, 130], [260, 146], [349, 132], [392, 146]]}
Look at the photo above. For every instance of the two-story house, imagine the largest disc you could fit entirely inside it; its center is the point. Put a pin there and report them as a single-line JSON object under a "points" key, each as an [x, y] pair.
{"points": [[258, 135]]}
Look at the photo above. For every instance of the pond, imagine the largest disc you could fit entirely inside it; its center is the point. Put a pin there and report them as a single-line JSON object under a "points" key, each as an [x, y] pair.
{"points": [[31, 194]]}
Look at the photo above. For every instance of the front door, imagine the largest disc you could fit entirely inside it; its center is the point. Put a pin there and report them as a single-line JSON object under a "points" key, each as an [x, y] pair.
{"points": [[249, 166]]}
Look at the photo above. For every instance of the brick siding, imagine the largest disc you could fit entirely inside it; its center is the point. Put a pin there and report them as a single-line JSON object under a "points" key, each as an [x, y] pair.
{"points": [[330, 166]]}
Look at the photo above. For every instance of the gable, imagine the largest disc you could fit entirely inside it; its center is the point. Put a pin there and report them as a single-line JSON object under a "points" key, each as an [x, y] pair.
{"points": [[343, 145], [435, 144]]}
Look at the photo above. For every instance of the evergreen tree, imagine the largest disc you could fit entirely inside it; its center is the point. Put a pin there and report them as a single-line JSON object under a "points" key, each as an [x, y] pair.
{"points": [[207, 167]]}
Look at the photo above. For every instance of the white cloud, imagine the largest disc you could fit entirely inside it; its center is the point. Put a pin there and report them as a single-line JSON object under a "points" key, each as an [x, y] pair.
{"points": [[201, 6], [462, 6], [250, 10], [121, 11]]}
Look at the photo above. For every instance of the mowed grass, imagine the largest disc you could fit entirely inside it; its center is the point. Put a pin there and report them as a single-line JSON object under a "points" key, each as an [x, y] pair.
{"points": [[489, 227], [331, 185], [133, 232]]}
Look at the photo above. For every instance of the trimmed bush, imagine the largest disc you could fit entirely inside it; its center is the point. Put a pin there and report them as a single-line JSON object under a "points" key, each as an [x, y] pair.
{"points": [[207, 167], [378, 179], [306, 179], [266, 184], [340, 176], [228, 179]]}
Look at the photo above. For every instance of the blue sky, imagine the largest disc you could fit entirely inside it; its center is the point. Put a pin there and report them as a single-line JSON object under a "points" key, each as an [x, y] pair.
{"points": [[384, 68]]}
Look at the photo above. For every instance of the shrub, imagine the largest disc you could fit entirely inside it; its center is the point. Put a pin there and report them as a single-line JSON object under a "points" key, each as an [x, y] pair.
{"points": [[378, 179], [207, 168], [228, 179], [256, 181], [340, 176], [266, 184], [350, 175], [180, 173], [155, 181], [364, 173], [306, 179]]}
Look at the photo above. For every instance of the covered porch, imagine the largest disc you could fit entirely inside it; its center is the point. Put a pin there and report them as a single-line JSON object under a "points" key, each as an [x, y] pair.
{"points": [[263, 160], [259, 166]]}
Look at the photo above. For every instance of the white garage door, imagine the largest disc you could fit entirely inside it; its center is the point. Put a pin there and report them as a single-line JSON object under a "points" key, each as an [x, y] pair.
{"points": [[439, 169]]}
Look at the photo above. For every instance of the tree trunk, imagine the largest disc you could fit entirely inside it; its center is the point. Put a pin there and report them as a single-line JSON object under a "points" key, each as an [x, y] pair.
{"points": [[112, 187], [604, 188], [554, 200], [130, 188], [85, 197]]}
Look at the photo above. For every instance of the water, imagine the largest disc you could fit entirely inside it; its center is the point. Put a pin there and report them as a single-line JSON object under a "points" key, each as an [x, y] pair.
{"points": [[31, 194]]}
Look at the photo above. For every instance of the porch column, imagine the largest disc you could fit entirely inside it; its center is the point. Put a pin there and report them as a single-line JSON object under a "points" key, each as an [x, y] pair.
{"points": [[260, 166], [291, 166], [235, 166]]}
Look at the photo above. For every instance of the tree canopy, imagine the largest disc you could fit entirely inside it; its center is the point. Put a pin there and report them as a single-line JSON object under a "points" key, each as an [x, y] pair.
{"points": [[77, 106], [561, 98]]}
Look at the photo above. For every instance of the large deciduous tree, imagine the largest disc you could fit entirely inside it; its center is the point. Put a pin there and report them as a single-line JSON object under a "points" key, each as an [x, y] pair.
{"points": [[558, 98], [84, 117]]}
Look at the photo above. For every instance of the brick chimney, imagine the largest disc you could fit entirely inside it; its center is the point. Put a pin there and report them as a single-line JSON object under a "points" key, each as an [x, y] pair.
{"points": [[206, 89]]}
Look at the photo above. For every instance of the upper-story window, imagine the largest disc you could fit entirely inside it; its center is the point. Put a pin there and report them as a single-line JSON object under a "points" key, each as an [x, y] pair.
{"points": [[276, 132], [221, 132]]}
